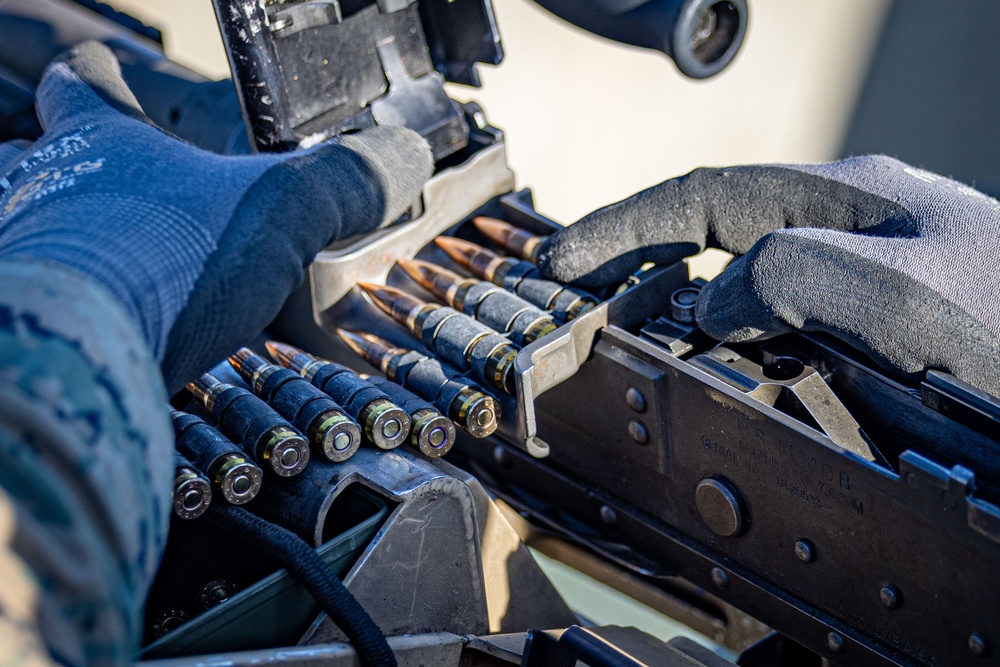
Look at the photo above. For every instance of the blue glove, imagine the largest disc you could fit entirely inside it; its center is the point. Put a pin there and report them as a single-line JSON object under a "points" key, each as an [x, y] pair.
{"points": [[900, 263], [201, 249]]}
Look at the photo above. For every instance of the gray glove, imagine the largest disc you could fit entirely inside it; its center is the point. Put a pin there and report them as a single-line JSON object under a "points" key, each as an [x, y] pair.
{"points": [[202, 250], [900, 263]]}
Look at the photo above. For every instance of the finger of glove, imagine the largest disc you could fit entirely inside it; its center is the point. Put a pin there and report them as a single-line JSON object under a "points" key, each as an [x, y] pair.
{"points": [[287, 216], [84, 82], [396, 164], [731, 208], [362, 182], [804, 279], [657, 225], [10, 153]]}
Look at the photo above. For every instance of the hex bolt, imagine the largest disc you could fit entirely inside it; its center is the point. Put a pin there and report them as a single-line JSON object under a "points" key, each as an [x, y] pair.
{"points": [[890, 596], [835, 642], [979, 645], [608, 516], [635, 399], [805, 550], [720, 578], [720, 506], [911, 481], [638, 431]]}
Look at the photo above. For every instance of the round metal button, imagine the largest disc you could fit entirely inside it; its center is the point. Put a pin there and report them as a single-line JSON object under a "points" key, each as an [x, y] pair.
{"points": [[720, 506]]}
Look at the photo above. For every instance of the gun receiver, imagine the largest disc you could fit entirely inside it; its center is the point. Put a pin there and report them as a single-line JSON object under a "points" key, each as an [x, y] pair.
{"points": [[791, 480]]}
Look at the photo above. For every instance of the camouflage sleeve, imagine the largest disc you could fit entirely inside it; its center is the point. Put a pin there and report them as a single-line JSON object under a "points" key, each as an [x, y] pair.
{"points": [[85, 469]]}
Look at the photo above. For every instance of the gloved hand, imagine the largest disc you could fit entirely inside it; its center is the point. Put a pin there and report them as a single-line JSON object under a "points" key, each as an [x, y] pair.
{"points": [[201, 249], [900, 263]]}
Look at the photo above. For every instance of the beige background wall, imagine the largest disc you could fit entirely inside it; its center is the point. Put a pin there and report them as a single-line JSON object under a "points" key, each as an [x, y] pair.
{"points": [[589, 122]]}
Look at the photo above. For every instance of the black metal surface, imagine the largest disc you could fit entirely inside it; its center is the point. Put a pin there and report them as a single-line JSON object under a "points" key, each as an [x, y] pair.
{"points": [[311, 70], [455, 52], [776, 650], [887, 561], [921, 529], [824, 534]]}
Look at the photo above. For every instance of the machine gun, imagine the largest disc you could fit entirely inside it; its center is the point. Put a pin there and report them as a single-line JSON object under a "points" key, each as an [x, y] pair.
{"points": [[787, 499]]}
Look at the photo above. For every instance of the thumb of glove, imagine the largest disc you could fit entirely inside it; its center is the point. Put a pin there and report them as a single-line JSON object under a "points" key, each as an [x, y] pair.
{"points": [[81, 84], [838, 283]]}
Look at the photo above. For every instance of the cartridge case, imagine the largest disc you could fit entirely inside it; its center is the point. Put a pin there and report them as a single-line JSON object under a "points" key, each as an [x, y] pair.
{"points": [[230, 472], [519, 277], [492, 305], [466, 403], [330, 430], [192, 493], [430, 431], [455, 338], [266, 436], [384, 424]]}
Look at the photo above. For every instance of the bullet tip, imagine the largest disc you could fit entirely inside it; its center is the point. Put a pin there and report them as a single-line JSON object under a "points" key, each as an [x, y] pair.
{"points": [[454, 246], [413, 268], [237, 358], [353, 340], [464, 253], [429, 276], [394, 302], [490, 227], [283, 353], [408, 265], [376, 294], [513, 240]]}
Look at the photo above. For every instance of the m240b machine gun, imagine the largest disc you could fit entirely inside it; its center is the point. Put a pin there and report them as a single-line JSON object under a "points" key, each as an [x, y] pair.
{"points": [[787, 499]]}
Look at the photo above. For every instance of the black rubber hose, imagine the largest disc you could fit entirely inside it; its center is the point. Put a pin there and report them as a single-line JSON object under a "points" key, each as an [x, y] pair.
{"points": [[305, 565]]}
